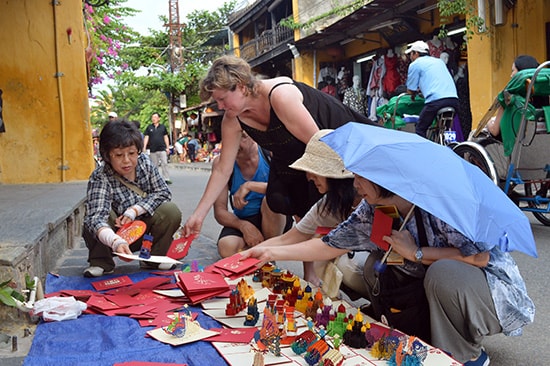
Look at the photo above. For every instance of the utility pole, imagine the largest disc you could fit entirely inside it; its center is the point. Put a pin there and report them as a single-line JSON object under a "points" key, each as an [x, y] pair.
{"points": [[176, 58]]}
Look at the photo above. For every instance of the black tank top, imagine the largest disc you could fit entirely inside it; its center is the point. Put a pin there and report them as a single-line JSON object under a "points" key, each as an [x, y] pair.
{"points": [[327, 112]]}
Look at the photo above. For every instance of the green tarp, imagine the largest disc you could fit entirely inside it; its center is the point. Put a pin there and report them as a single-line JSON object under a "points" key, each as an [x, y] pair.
{"points": [[512, 100], [404, 105]]}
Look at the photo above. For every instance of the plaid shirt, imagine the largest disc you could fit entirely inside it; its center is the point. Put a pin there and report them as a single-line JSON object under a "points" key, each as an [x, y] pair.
{"points": [[106, 193]]}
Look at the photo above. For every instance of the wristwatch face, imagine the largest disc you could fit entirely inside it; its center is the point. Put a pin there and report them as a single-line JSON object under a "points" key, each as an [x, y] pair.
{"points": [[419, 255]]}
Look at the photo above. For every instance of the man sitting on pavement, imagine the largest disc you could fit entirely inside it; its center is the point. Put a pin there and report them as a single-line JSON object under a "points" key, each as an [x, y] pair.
{"points": [[251, 221]]}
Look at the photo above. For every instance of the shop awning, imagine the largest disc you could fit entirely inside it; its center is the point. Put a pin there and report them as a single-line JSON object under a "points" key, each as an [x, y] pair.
{"points": [[400, 16]]}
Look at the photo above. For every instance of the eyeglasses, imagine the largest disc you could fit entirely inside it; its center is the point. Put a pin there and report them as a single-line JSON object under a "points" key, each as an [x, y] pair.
{"points": [[131, 155]]}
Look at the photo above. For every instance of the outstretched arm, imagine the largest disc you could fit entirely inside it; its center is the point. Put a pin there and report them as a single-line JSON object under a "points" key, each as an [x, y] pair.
{"points": [[308, 251], [231, 132], [292, 236]]}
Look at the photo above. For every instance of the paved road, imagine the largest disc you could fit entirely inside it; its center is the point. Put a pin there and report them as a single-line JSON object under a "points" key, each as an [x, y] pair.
{"points": [[530, 349]]}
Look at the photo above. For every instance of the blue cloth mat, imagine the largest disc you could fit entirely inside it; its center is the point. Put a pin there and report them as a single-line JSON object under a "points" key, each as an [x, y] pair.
{"points": [[104, 340]]}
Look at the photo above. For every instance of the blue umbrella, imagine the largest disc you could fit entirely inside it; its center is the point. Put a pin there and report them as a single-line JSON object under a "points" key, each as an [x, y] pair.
{"points": [[436, 179]]}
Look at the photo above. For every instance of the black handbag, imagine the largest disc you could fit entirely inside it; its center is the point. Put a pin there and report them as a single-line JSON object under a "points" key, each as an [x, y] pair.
{"points": [[398, 296]]}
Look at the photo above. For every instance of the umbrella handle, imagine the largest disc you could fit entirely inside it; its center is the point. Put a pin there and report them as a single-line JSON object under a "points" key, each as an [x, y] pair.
{"points": [[405, 220]]}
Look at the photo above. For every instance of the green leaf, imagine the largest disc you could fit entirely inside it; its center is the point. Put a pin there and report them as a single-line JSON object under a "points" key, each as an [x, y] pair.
{"points": [[5, 296]]}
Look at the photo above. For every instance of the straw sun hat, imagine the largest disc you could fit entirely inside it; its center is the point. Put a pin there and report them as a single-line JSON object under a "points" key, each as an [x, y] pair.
{"points": [[321, 160]]}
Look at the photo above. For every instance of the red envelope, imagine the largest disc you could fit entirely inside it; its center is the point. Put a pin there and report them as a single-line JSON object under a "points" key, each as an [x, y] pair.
{"points": [[234, 264], [101, 303], [196, 282], [132, 231], [232, 335], [122, 300], [199, 286], [180, 247], [382, 226], [197, 298], [151, 283], [112, 283]]}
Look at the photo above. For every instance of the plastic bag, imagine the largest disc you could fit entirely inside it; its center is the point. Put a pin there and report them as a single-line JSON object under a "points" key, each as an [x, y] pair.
{"points": [[58, 308]]}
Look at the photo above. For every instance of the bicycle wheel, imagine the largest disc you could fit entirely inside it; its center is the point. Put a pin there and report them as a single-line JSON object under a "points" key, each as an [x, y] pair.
{"points": [[476, 155]]}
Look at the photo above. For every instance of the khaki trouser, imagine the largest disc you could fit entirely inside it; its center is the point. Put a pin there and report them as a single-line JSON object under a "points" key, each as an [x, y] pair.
{"points": [[161, 226]]}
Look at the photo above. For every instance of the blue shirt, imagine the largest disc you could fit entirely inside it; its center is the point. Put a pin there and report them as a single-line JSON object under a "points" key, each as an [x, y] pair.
{"points": [[431, 76], [513, 306], [254, 198]]}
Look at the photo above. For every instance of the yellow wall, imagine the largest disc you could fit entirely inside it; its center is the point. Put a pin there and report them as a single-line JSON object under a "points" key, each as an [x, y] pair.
{"points": [[48, 133], [490, 57]]}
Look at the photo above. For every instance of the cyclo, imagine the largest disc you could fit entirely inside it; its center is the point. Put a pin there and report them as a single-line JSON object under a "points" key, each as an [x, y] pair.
{"points": [[520, 163], [401, 113]]}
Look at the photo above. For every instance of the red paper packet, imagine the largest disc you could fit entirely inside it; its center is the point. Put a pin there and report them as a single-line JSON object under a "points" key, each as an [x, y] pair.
{"points": [[112, 283], [180, 247], [132, 231], [382, 225]]}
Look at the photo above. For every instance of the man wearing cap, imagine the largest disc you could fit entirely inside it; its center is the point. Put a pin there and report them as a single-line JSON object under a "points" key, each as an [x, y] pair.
{"points": [[429, 76], [113, 116]]}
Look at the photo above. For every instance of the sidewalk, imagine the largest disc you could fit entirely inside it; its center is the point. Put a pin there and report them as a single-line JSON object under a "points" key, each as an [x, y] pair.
{"points": [[40, 232]]}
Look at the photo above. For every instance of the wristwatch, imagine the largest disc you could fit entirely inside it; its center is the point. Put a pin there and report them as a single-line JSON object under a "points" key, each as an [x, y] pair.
{"points": [[419, 255]]}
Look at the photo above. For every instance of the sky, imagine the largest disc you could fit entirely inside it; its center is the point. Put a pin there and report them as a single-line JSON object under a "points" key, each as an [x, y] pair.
{"points": [[151, 9]]}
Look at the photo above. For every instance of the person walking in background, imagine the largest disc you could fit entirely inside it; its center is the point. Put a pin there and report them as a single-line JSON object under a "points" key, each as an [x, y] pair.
{"points": [[281, 115], [156, 139], [125, 188], [251, 221], [429, 76]]}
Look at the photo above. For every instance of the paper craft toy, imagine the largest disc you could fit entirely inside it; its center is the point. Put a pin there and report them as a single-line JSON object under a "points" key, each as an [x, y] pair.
{"points": [[177, 326], [252, 314], [193, 332], [269, 335], [132, 231], [382, 225], [180, 247], [147, 243]]}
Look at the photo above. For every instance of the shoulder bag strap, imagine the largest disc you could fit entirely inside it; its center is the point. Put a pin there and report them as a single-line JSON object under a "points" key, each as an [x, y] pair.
{"points": [[420, 227], [133, 187]]}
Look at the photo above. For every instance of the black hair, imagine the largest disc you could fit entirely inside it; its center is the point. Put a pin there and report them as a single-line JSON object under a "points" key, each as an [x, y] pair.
{"points": [[523, 62], [339, 198], [118, 135], [382, 192]]}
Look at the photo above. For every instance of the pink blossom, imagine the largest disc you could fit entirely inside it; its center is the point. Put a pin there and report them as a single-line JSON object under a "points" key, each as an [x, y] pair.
{"points": [[106, 19], [103, 37]]}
